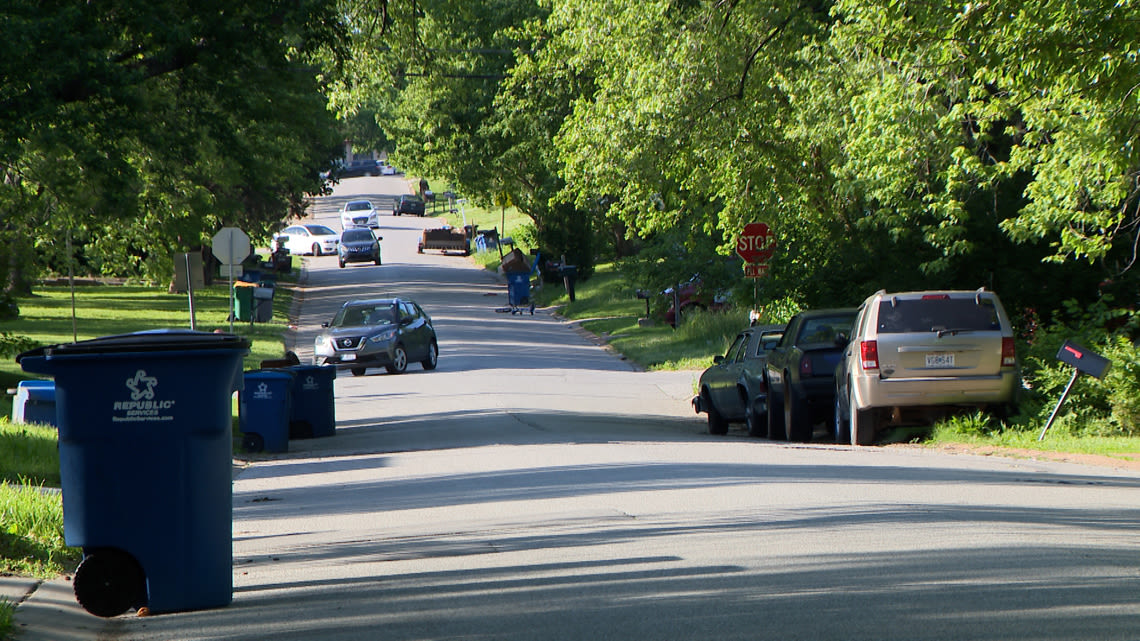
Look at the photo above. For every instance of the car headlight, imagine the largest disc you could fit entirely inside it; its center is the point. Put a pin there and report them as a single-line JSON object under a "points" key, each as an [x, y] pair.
{"points": [[321, 342], [383, 337]]}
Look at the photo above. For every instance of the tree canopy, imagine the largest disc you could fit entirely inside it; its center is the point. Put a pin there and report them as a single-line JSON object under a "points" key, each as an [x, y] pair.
{"points": [[140, 128], [889, 143]]}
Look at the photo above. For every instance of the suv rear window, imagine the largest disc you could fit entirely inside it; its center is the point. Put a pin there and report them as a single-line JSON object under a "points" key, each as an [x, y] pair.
{"points": [[933, 314]]}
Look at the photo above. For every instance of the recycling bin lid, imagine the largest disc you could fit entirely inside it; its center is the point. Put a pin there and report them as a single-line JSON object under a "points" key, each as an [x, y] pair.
{"points": [[155, 340]]}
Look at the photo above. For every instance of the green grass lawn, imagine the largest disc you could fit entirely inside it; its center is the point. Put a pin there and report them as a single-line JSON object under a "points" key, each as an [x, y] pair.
{"points": [[104, 310]]}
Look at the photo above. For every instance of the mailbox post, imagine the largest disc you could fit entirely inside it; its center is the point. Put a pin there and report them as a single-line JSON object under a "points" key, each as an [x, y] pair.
{"points": [[1083, 360]]}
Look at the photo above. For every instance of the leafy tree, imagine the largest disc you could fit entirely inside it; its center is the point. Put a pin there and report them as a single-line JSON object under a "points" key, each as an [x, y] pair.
{"points": [[145, 126]]}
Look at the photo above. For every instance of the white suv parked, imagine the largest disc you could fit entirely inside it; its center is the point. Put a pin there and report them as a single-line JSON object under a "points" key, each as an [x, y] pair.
{"points": [[914, 355]]}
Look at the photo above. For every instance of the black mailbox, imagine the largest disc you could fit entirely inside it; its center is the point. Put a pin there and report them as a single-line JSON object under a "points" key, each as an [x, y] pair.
{"points": [[1085, 360]]}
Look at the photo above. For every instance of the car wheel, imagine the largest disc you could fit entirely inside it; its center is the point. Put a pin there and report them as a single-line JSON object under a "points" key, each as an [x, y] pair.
{"points": [[316, 249], [862, 422], [841, 426], [775, 415], [717, 424], [757, 422], [432, 359], [358, 371], [797, 427], [399, 361]]}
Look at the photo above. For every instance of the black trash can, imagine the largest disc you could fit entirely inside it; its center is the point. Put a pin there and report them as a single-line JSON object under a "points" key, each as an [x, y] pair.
{"points": [[265, 406], [145, 455], [314, 412]]}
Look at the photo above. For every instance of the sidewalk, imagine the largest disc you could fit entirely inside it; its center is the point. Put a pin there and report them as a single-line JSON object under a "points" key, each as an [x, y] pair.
{"points": [[48, 611]]}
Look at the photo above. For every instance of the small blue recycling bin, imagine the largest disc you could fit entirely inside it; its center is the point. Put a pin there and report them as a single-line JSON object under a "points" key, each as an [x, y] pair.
{"points": [[145, 457], [518, 287], [265, 406], [34, 402], [314, 413]]}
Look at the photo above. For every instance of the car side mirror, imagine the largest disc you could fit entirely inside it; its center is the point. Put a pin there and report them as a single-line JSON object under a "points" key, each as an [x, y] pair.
{"points": [[718, 359], [324, 324], [842, 340], [379, 238]]}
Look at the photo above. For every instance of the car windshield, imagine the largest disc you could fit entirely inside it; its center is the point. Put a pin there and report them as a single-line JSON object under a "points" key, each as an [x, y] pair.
{"points": [[824, 329], [356, 236], [365, 315], [359, 205], [934, 314], [320, 230]]}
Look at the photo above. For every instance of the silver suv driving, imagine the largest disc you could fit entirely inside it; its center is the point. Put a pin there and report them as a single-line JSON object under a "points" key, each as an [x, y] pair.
{"points": [[914, 355]]}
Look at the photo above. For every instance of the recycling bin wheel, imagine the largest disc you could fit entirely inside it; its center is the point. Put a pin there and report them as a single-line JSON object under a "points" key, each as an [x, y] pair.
{"points": [[108, 582], [252, 442]]}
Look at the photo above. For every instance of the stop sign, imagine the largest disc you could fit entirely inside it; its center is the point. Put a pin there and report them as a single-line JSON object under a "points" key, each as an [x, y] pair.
{"points": [[756, 244], [231, 246]]}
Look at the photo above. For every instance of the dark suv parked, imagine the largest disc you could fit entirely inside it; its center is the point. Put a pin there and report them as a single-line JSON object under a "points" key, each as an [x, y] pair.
{"points": [[410, 204]]}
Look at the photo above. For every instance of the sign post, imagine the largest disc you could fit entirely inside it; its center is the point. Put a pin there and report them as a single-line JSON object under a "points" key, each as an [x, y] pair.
{"points": [[231, 247]]}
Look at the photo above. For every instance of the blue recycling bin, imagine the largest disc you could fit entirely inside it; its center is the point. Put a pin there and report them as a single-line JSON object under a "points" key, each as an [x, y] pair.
{"points": [[34, 402], [145, 456], [314, 412], [518, 287], [265, 406]]}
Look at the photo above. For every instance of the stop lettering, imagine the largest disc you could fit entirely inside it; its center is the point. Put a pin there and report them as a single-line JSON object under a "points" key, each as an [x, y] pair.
{"points": [[756, 244]]}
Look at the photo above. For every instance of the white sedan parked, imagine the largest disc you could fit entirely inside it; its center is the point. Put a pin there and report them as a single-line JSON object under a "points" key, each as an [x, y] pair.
{"points": [[308, 239]]}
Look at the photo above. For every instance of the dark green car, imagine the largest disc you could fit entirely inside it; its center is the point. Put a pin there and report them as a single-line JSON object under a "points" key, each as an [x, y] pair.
{"points": [[733, 389]]}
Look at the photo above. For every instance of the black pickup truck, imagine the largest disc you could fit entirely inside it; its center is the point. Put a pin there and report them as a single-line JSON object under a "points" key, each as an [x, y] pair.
{"points": [[801, 372]]}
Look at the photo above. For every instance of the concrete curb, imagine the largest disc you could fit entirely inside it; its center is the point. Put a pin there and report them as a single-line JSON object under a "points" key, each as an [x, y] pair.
{"points": [[48, 611]]}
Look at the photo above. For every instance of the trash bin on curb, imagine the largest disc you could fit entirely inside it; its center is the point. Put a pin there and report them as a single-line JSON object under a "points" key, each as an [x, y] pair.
{"points": [[264, 407], [243, 300], [263, 304], [314, 411], [145, 457], [34, 402]]}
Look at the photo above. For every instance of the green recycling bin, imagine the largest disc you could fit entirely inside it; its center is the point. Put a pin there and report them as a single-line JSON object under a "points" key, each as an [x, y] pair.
{"points": [[145, 458], [244, 301]]}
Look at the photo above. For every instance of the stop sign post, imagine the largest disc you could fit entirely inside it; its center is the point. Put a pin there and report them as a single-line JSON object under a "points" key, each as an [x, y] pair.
{"points": [[756, 245]]}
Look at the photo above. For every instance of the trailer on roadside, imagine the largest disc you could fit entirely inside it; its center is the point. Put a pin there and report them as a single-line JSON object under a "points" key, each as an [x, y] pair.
{"points": [[446, 239]]}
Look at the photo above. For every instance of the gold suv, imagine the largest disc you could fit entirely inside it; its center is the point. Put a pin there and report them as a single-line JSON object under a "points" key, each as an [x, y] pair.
{"points": [[913, 356]]}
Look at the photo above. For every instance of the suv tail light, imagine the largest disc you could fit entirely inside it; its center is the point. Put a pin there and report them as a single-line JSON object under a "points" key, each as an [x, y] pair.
{"points": [[1008, 352], [869, 354]]}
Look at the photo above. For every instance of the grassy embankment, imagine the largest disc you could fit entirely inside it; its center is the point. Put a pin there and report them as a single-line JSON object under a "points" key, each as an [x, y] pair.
{"points": [[31, 538]]}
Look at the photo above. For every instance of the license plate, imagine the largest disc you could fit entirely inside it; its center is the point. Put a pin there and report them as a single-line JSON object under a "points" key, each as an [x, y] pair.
{"points": [[940, 359], [348, 357]]}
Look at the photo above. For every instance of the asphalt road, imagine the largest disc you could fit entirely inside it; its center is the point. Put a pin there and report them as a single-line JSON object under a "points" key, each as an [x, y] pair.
{"points": [[537, 487]]}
